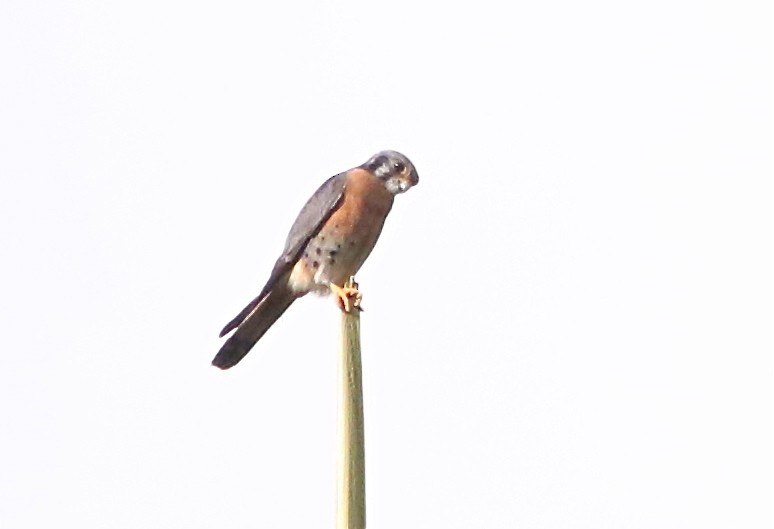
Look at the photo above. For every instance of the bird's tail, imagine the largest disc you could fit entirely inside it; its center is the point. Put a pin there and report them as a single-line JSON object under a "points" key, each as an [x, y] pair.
{"points": [[254, 325]]}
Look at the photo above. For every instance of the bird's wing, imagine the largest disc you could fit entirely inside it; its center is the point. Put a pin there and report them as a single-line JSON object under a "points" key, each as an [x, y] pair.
{"points": [[315, 212]]}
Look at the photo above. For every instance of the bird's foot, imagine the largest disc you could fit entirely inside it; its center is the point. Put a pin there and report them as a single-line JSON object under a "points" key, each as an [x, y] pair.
{"points": [[348, 296]]}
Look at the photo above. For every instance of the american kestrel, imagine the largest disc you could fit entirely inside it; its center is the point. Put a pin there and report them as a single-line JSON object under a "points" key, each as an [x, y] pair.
{"points": [[328, 243]]}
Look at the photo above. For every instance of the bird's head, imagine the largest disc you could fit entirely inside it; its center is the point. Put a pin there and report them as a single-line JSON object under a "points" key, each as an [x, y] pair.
{"points": [[394, 170]]}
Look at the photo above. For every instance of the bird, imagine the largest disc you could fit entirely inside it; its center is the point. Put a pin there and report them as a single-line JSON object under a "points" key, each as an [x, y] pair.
{"points": [[327, 244]]}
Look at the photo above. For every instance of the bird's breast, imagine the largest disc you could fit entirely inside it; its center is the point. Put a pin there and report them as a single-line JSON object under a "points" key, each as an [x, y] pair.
{"points": [[346, 239]]}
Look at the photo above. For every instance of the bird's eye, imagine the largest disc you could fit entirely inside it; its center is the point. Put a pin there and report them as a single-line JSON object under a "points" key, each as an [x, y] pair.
{"points": [[399, 167]]}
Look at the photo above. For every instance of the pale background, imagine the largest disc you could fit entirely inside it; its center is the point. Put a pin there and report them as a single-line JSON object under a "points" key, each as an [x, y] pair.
{"points": [[568, 321]]}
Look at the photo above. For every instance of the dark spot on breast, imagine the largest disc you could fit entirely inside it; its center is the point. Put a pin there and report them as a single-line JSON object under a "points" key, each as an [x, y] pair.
{"points": [[318, 251], [316, 264], [338, 246], [332, 253], [306, 255]]}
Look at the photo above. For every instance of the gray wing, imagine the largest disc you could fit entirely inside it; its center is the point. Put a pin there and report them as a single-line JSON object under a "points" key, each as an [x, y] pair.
{"points": [[315, 212]]}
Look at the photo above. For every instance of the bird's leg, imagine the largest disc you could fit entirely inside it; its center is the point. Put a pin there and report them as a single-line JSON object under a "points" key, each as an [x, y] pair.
{"points": [[349, 297]]}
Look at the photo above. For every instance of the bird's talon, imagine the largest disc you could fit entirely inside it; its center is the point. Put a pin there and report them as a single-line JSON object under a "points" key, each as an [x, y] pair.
{"points": [[349, 297]]}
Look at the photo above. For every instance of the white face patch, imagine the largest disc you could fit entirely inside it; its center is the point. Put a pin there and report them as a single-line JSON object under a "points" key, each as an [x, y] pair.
{"points": [[382, 170], [396, 185]]}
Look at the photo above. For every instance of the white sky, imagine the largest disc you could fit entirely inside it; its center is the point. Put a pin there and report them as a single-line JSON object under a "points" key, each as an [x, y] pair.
{"points": [[569, 320]]}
